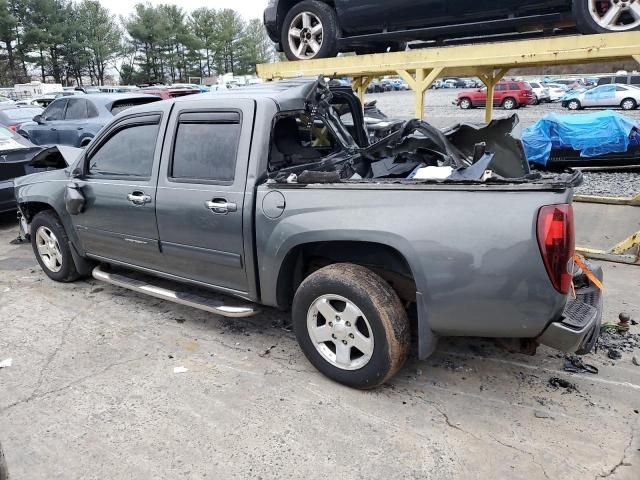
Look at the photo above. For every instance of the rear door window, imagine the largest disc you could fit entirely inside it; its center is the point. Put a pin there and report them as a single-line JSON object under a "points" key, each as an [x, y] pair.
{"points": [[205, 147], [622, 79], [76, 109], [514, 86], [635, 80]]}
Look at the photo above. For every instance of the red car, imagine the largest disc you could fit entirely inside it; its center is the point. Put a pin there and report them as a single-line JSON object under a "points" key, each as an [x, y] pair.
{"points": [[507, 94]]}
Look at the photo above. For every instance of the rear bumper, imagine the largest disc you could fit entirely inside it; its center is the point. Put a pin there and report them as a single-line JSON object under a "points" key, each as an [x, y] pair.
{"points": [[7, 196], [579, 327]]}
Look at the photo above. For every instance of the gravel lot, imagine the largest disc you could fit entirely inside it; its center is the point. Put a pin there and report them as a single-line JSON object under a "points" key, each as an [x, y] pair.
{"points": [[92, 395], [440, 112]]}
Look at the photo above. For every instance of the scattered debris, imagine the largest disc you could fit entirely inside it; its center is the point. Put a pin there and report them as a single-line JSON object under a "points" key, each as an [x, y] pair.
{"points": [[612, 338], [623, 324], [267, 351], [542, 414], [636, 360], [19, 240], [556, 383], [97, 290], [614, 354], [180, 370], [574, 364], [180, 320], [6, 363]]}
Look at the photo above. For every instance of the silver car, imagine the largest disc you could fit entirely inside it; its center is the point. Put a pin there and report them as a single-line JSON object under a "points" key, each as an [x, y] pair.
{"points": [[626, 97]]}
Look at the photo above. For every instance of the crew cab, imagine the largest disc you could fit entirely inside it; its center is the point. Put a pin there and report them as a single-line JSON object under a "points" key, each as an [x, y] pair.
{"points": [[507, 94], [264, 194], [308, 29]]}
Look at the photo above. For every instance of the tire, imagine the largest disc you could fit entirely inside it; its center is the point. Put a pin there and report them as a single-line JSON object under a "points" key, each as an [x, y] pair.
{"points": [[48, 235], [381, 328], [536, 100], [574, 105], [4, 472], [589, 21], [317, 13], [465, 103], [509, 103], [628, 104]]}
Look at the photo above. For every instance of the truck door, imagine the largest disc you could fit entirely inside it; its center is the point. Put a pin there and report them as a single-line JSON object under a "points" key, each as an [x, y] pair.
{"points": [[119, 185], [201, 191]]}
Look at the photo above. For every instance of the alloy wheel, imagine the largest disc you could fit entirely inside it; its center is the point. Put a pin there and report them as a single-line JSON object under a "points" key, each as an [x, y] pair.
{"points": [[340, 332], [305, 35], [628, 104], [49, 249], [615, 15]]}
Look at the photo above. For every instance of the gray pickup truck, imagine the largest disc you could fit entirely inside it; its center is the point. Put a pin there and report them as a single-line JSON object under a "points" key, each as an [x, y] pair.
{"points": [[272, 195]]}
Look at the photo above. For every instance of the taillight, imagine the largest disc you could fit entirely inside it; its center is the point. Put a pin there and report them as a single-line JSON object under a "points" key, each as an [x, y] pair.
{"points": [[557, 244], [13, 128]]}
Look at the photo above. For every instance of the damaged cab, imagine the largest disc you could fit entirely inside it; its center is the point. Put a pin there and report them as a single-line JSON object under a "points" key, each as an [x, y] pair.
{"points": [[272, 194]]}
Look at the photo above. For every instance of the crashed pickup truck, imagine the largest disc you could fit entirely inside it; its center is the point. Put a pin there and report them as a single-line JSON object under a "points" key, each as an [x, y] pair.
{"points": [[264, 194]]}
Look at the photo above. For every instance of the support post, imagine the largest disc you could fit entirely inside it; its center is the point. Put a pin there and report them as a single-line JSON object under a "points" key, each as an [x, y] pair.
{"points": [[420, 84], [490, 79], [360, 85]]}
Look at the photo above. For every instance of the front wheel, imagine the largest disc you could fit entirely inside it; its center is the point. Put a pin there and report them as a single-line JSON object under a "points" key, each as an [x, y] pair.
{"points": [[351, 325], [310, 30], [51, 247], [602, 16], [574, 105], [465, 104]]}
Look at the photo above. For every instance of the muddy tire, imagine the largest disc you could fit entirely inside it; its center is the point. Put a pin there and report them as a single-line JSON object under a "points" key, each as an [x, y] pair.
{"points": [[351, 325], [4, 471], [51, 247]]}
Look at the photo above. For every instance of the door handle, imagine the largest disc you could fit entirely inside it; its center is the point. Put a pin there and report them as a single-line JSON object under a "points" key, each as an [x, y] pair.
{"points": [[220, 206], [138, 198]]}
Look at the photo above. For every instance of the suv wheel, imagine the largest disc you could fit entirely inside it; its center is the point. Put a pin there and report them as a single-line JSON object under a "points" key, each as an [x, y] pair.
{"points": [[628, 104], [351, 325], [465, 103], [601, 16], [51, 247], [574, 105], [310, 30], [509, 103]]}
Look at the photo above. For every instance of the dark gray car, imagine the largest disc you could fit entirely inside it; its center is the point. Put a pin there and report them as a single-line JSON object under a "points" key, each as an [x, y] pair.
{"points": [[75, 120], [263, 194]]}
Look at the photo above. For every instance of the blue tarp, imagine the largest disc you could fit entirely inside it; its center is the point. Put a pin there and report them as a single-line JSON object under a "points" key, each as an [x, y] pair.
{"points": [[593, 134]]}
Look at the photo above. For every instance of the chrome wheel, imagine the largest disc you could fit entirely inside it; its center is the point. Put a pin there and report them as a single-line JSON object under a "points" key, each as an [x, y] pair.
{"points": [[305, 35], [49, 249], [573, 105], [615, 15], [340, 332]]}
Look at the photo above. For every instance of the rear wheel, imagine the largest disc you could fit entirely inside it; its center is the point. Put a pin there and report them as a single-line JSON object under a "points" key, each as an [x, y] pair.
{"points": [[601, 16], [628, 104], [465, 103], [310, 30], [351, 325], [51, 247], [574, 105], [509, 103]]}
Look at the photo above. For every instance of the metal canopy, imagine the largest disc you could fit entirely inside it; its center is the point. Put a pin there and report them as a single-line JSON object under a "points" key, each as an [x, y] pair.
{"points": [[490, 62]]}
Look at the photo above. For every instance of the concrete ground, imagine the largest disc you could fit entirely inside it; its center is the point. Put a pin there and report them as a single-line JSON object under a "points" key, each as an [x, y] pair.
{"points": [[92, 394]]}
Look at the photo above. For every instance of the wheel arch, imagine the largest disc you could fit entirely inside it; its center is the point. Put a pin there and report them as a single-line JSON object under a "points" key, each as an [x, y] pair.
{"points": [[285, 5]]}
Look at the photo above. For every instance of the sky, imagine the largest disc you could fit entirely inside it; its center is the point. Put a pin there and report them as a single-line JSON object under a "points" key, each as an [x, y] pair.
{"points": [[247, 8]]}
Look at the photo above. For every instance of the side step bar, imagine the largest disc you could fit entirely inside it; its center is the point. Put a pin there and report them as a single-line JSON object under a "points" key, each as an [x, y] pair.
{"points": [[188, 299]]}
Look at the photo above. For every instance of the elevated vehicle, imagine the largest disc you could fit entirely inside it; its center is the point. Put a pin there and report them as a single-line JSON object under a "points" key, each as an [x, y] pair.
{"points": [[508, 94], [264, 194], [626, 97], [307, 29], [74, 121]]}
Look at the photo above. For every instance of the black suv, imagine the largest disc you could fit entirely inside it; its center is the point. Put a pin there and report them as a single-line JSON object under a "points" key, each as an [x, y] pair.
{"points": [[306, 29]]}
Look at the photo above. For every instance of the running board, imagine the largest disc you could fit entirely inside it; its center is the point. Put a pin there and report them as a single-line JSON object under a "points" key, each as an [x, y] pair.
{"points": [[188, 299]]}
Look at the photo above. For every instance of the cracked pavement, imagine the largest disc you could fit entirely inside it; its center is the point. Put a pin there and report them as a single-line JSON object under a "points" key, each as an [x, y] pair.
{"points": [[92, 394]]}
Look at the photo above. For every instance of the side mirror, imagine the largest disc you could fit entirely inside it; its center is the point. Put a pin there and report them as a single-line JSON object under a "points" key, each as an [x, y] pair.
{"points": [[38, 119]]}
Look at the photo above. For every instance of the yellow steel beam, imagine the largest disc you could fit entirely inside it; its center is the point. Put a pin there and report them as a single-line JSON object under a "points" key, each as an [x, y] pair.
{"points": [[627, 251], [419, 84], [469, 59], [633, 201], [360, 85]]}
